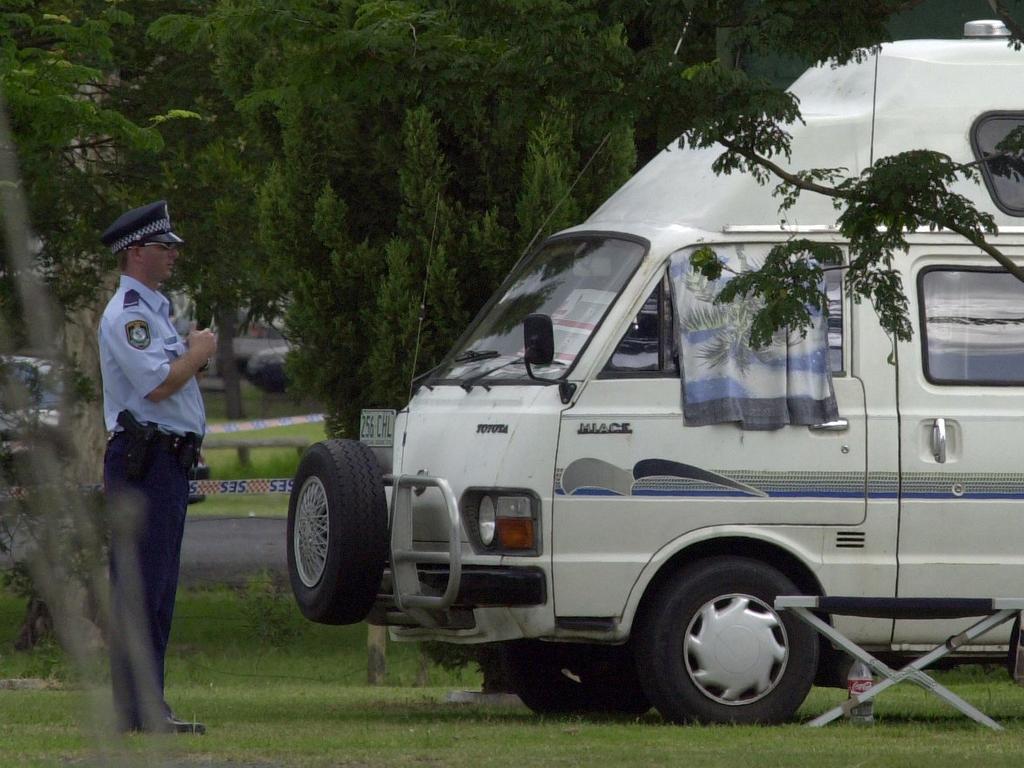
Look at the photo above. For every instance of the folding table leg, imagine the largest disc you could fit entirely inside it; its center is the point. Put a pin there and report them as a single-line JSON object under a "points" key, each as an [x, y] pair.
{"points": [[911, 672]]}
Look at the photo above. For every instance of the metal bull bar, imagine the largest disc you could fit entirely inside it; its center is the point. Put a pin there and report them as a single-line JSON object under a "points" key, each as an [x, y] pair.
{"points": [[408, 590]]}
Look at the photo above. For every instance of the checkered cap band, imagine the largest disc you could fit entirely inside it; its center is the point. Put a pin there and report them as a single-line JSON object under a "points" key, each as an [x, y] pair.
{"points": [[157, 227]]}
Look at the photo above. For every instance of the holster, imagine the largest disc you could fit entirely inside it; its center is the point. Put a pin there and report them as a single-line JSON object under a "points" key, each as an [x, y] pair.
{"points": [[140, 445], [188, 452]]}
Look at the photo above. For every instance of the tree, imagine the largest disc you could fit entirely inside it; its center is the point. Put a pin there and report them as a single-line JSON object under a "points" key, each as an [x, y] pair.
{"points": [[489, 94]]}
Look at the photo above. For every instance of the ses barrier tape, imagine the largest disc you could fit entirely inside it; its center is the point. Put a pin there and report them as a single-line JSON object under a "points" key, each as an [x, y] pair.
{"points": [[248, 426], [257, 485], [195, 487]]}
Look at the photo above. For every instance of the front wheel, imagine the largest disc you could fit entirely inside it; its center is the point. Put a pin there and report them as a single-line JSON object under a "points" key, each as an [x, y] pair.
{"points": [[709, 646]]}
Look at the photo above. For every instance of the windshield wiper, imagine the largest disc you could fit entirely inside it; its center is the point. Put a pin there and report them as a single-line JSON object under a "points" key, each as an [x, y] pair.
{"points": [[472, 380], [472, 355], [469, 356], [468, 383]]}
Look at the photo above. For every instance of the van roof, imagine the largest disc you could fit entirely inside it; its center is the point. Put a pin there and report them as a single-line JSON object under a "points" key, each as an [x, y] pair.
{"points": [[929, 93]]}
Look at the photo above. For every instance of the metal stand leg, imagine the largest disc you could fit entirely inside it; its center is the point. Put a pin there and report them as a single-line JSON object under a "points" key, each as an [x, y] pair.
{"points": [[911, 672]]}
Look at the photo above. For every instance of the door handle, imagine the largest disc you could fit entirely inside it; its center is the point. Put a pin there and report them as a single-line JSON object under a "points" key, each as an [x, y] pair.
{"points": [[839, 425], [939, 440]]}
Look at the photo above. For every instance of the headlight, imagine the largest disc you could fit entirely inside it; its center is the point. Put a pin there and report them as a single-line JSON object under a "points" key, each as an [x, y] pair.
{"points": [[485, 522], [501, 521]]}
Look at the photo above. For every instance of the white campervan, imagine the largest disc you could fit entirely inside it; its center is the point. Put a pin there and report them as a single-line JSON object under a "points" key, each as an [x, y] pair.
{"points": [[556, 502]]}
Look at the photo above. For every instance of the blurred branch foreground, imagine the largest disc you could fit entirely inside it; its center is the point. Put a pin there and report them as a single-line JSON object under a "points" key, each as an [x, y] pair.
{"points": [[58, 531]]}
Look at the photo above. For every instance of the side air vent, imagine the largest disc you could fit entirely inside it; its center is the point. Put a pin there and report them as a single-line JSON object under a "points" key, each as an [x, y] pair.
{"points": [[850, 539]]}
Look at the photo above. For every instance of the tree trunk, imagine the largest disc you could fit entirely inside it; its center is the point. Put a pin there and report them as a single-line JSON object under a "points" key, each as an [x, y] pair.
{"points": [[37, 625], [227, 365], [376, 654], [82, 418]]}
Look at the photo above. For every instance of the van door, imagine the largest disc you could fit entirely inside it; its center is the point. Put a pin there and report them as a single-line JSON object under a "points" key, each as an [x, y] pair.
{"points": [[631, 479], [961, 410]]}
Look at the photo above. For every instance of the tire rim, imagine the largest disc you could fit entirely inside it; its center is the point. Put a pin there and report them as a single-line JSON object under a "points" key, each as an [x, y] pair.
{"points": [[312, 532], [735, 649]]}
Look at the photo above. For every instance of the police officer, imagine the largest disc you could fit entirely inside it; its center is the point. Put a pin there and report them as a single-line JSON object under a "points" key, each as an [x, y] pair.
{"points": [[155, 416]]}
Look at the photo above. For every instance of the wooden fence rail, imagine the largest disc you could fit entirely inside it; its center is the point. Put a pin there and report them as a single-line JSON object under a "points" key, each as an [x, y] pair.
{"points": [[299, 443], [243, 446]]}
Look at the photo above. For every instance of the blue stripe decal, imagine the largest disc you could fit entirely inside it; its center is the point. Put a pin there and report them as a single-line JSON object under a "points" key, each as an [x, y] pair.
{"points": [[801, 494], [665, 478]]}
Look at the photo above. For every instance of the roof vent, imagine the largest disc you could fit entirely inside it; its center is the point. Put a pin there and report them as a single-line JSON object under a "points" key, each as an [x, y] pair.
{"points": [[986, 28]]}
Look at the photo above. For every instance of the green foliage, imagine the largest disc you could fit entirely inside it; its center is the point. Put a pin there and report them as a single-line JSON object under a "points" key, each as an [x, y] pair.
{"points": [[785, 289], [439, 210], [394, 325], [705, 261], [268, 611], [545, 205], [46, 660], [16, 580], [56, 64]]}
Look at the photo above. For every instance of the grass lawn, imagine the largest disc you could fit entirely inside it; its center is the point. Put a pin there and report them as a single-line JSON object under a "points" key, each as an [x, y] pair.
{"points": [[248, 505], [275, 690]]}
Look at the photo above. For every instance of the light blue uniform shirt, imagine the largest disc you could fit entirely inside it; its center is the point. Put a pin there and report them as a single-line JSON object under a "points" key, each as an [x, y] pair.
{"points": [[137, 344]]}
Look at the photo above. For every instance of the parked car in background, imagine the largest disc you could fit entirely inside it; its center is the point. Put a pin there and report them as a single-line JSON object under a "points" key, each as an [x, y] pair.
{"points": [[29, 396], [259, 338], [266, 368]]}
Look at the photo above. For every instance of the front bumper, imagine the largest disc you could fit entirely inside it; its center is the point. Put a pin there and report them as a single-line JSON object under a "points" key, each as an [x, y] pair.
{"points": [[432, 587], [491, 587]]}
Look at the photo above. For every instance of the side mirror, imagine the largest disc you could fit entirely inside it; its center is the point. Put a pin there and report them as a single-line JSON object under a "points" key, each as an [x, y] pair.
{"points": [[538, 340]]}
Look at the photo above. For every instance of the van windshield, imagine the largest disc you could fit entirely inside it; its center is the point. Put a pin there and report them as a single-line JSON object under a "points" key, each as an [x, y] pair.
{"points": [[574, 280]]}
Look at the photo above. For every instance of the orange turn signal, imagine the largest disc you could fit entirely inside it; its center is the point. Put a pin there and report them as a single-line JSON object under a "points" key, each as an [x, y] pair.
{"points": [[515, 532]]}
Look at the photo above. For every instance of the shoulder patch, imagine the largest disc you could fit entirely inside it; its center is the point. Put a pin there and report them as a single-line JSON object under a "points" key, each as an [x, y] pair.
{"points": [[138, 333], [131, 298]]}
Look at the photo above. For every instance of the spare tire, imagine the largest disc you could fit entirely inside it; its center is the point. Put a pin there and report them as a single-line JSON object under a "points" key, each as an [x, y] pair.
{"points": [[337, 532]]}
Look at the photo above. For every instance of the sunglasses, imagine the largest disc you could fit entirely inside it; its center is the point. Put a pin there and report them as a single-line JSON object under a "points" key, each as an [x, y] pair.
{"points": [[165, 246]]}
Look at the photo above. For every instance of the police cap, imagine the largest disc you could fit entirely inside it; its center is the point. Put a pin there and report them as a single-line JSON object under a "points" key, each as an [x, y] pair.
{"points": [[151, 223]]}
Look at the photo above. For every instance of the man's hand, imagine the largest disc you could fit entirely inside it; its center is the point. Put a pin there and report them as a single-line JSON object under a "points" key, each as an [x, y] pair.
{"points": [[202, 343]]}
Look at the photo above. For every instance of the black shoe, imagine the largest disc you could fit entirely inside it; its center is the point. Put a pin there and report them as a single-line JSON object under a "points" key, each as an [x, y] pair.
{"points": [[173, 725]]}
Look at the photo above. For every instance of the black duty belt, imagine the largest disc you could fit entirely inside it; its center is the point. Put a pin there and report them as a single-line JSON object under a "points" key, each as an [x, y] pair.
{"points": [[173, 443], [169, 442], [142, 438]]}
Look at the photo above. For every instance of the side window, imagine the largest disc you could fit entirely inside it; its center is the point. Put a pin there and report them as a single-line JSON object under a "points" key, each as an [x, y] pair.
{"points": [[972, 326], [1003, 170], [648, 344]]}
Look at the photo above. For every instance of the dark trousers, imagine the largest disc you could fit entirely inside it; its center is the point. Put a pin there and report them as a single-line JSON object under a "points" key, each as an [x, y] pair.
{"points": [[148, 521]]}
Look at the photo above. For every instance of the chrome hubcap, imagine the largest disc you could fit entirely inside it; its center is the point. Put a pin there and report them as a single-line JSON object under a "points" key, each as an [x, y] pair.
{"points": [[735, 649], [312, 530]]}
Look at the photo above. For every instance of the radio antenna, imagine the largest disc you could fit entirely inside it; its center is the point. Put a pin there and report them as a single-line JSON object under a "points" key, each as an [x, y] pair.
{"points": [[423, 297], [565, 197], [526, 250]]}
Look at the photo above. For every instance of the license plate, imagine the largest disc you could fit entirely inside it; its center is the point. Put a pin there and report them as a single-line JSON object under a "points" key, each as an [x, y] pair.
{"points": [[377, 428]]}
